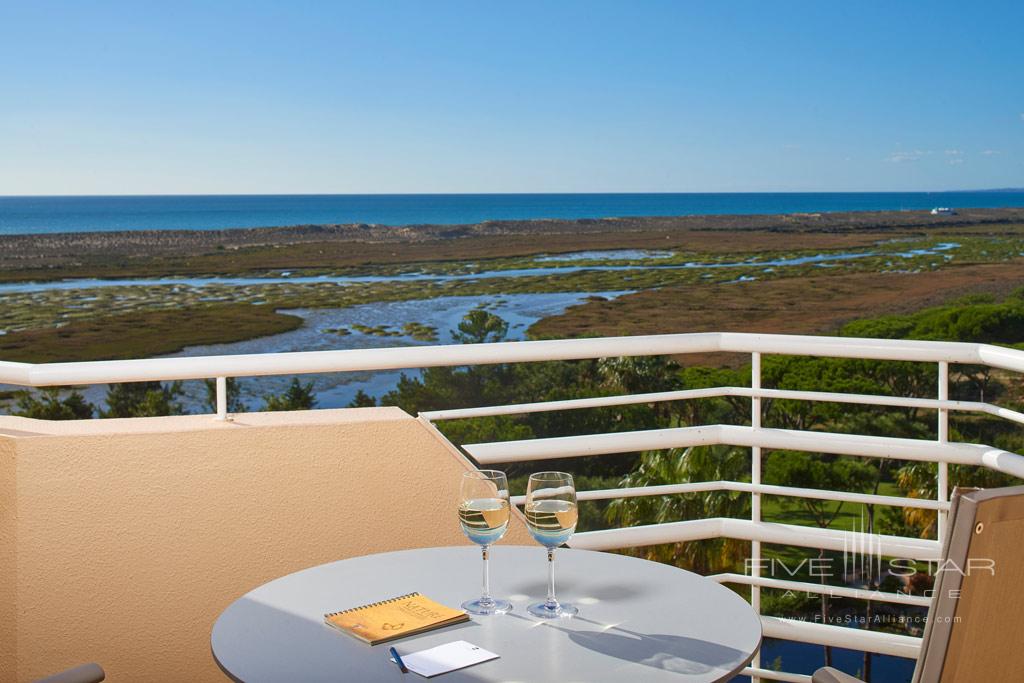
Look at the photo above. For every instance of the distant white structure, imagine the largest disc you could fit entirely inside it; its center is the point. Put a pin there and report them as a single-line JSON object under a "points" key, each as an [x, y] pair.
{"points": [[943, 211]]}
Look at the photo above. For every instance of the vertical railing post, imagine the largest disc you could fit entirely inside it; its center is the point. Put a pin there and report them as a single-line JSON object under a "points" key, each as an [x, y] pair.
{"points": [[222, 398], [943, 429], [755, 499]]}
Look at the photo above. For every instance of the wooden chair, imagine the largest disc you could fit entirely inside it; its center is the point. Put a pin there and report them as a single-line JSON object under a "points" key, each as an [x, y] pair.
{"points": [[973, 633]]}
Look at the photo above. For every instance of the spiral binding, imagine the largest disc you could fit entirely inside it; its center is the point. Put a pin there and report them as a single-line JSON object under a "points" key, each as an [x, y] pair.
{"points": [[374, 604]]}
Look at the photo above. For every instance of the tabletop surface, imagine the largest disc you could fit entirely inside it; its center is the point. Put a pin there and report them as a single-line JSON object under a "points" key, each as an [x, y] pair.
{"points": [[638, 620]]}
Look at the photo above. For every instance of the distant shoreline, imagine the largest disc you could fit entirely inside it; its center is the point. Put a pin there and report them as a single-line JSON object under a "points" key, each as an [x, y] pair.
{"points": [[173, 213], [150, 253], [845, 221]]}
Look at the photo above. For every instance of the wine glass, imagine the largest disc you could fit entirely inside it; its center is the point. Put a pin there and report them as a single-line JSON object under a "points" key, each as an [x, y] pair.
{"points": [[483, 515], [551, 517]]}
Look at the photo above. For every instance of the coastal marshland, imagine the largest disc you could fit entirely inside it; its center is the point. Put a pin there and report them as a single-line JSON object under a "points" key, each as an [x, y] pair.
{"points": [[89, 296]]}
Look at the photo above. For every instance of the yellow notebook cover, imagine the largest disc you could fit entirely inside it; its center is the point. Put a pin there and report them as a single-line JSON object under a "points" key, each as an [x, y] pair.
{"points": [[398, 617]]}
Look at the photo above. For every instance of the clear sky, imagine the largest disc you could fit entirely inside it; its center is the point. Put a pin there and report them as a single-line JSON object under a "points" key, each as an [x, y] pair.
{"points": [[435, 96]]}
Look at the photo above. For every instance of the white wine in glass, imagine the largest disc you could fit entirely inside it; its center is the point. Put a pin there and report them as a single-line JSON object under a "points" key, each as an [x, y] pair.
{"points": [[484, 515], [551, 517]]}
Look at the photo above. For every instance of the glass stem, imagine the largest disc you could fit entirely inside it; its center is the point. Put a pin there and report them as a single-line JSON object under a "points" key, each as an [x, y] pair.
{"points": [[486, 599], [551, 602]]}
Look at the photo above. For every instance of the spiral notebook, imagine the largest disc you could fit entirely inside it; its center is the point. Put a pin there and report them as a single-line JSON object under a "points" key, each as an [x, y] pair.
{"points": [[406, 615]]}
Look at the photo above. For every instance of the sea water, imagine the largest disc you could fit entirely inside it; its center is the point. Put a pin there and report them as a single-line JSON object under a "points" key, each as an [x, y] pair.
{"points": [[20, 215]]}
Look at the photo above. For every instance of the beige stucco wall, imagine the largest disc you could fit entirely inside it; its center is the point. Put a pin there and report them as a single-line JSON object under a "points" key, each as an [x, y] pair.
{"points": [[122, 540]]}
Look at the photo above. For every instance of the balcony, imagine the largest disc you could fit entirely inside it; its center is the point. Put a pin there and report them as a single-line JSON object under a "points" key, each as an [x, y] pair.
{"points": [[125, 538]]}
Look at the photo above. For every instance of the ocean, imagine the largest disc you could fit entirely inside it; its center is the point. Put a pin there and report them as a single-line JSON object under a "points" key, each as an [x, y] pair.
{"points": [[27, 215]]}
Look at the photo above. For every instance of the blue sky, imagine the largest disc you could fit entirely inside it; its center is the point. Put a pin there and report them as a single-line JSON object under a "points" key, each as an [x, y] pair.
{"points": [[297, 97]]}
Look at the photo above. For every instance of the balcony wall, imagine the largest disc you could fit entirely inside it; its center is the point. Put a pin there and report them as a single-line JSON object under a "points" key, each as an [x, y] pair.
{"points": [[122, 540]]}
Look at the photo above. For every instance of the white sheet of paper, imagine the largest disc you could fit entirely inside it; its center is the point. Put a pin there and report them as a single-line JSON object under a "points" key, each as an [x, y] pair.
{"points": [[444, 658]]}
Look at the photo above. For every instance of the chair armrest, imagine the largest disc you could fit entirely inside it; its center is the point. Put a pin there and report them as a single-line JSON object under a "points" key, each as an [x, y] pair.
{"points": [[830, 675], [86, 673]]}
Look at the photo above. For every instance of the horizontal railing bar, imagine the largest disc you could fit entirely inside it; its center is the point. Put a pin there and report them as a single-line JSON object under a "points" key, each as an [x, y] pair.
{"points": [[766, 532], [858, 347], [246, 365], [722, 392], [817, 588], [748, 437], [999, 357], [15, 373], [841, 496], [876, 446], [772, 675], [574, 404], [746, 487], [348, 360], [841, 636], [593, 444]]}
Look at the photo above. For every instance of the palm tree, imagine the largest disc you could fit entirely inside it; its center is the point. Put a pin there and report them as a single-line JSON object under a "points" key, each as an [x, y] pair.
{"points": [[642, 375], [918, 480], [676, 466]]}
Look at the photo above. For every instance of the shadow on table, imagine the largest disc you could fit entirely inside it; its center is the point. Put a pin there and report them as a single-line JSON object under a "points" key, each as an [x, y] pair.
{"points": [[678, 654], [607, 591]]}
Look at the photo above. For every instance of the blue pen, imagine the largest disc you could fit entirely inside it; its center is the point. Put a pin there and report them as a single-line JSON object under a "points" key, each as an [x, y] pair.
{"points": [[398, 660]]}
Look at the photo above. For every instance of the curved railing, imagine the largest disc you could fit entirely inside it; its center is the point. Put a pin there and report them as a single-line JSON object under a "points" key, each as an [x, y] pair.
{"points": [[753, 436]]}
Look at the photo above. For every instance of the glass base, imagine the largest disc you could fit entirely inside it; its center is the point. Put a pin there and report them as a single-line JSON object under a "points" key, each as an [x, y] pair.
{"points": [[493, 606], [560, 611]]}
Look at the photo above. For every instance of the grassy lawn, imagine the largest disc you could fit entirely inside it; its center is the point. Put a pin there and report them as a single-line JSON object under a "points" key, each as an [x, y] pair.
{"points": [[852, 516]]}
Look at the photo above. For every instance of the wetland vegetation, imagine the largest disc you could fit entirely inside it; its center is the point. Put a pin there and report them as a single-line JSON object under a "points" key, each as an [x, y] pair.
{"points": [[952, 282], [780, 274]]}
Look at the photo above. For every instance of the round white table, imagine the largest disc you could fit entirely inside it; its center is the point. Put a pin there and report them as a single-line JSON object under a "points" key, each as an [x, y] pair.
{"points": [[638, 620]]}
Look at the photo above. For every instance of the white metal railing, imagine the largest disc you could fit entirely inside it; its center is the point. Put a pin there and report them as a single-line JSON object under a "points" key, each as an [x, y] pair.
{"points": [[397, 358], [753, 436], [754, 393]]}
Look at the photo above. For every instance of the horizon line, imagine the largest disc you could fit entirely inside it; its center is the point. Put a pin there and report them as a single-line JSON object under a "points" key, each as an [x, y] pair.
{"points": [[499, 194]]}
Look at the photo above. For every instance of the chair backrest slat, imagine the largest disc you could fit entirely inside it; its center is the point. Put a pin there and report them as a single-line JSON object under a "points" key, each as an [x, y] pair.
{"points": [[974, 632]]}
